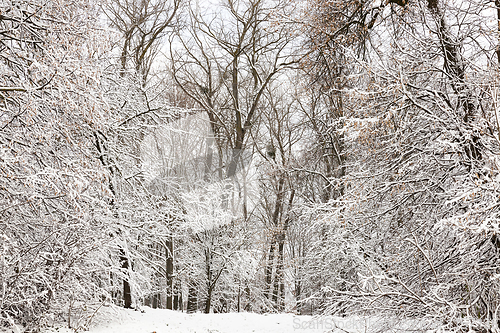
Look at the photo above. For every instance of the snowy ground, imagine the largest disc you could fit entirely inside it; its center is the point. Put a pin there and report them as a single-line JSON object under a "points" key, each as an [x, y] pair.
{"points": [[117, 320]]}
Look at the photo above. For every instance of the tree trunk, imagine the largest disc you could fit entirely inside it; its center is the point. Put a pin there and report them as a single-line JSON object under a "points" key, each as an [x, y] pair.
{"points": [[170, 271], [192, 302], [239, 130], [177, 296], [210, 155], [279, 279], [298, 290], [239, 298], [210, 142], [208, 301], [281, 273], [176, 302], [127, 295], [278, 208], [208, 267], [279, 286], [269, 269], [156, 301]]}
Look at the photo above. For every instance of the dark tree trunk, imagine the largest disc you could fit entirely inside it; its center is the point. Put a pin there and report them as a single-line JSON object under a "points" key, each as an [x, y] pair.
{"points": [[269, 269], [278, 207], [298, 296], [279, 283], [248, 306], [281, 274], [176, 302], [156, 301], [208, 267], [277, 277], [170, 272], [127, 295], [239, 298], [208, 301]]}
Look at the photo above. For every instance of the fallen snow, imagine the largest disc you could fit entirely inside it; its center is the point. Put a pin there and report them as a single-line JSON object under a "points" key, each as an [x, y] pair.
{"points": [[118, 320]]}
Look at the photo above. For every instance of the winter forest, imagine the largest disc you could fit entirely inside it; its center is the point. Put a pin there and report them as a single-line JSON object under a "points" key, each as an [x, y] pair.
{"points": [[266, 156]]}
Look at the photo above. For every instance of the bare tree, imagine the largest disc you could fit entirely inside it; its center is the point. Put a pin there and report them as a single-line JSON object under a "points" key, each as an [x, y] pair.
{"points": [[142, 24], [226, 62]]}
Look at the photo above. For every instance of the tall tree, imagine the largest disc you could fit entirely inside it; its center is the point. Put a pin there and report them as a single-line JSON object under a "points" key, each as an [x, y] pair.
{"points": [[227, 60]]}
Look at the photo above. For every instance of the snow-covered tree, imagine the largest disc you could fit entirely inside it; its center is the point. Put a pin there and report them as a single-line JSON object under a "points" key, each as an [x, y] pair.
{"points": [[135, 91], [53, 197], [421, 137]]}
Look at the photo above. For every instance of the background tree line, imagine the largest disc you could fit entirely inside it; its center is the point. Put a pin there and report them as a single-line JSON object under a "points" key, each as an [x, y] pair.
{"points": [[250, 155]]}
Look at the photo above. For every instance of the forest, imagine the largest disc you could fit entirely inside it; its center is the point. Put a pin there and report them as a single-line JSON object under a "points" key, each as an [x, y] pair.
{"points": [[268, 156]]}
